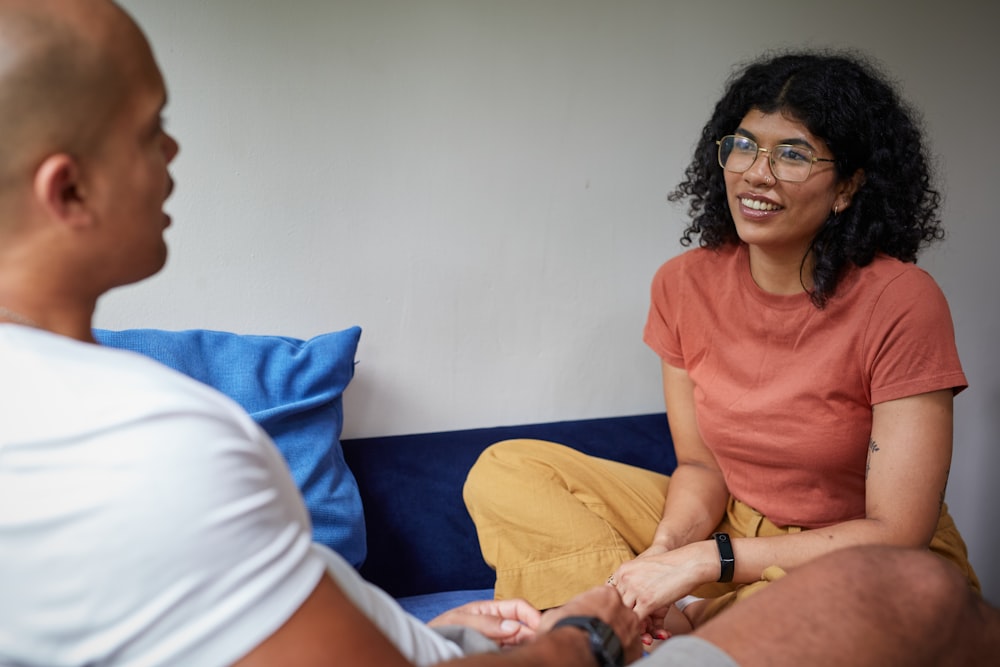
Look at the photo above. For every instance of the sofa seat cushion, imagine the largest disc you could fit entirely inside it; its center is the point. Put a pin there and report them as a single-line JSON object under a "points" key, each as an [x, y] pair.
{"points": [[421, 539], [430, 605]]}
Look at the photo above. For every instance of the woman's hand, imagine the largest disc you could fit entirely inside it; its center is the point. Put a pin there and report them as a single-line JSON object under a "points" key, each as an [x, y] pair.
{"points": [[653, 550], [664, 623], [654, 581], [507, 622]]}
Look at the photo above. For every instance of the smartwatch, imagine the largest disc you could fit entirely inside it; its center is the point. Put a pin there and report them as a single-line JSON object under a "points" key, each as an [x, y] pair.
{"points": [[604, 643], [727, 561]]}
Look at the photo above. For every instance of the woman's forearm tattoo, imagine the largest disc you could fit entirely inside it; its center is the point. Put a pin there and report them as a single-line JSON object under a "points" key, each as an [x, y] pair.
{"points": [[947, 474], [872, 448]]}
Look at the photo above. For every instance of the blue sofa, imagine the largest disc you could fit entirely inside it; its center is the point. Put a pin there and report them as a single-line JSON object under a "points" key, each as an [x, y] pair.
{"points": [[392, 506], [422, 545]]}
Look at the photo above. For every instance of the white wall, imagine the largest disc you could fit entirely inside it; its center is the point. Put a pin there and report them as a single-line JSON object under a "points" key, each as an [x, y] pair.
{"points": [[480, 184]]}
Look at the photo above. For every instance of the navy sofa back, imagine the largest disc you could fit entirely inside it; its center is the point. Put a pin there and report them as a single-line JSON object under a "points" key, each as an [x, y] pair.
{"points": [[420, 537]]}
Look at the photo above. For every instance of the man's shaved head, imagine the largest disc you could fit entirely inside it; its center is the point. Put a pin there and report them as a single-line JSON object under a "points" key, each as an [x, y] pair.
{"points": [[63, 66], [84, 161]]}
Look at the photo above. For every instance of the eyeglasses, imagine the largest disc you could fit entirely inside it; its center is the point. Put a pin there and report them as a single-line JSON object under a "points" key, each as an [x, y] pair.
{"points": [[788, 163]]}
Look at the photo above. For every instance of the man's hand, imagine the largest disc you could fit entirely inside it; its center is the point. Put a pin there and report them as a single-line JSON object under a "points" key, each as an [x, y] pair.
{"points": [[507, 622], [604, 603]]}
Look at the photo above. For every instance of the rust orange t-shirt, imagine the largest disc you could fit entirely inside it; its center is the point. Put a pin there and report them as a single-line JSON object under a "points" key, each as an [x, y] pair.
{"points": [[783, 390]]}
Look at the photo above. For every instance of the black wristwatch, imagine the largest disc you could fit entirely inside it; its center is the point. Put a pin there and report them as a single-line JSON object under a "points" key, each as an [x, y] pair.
{"points": [[604, 643]]}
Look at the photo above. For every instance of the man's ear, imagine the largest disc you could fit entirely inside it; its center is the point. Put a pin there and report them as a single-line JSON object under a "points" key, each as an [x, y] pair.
{"points": [[59, 190]]}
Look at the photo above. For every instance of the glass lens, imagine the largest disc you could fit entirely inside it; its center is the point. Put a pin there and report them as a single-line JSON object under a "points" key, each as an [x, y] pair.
{"points": [[791, 163], [737, 153]]}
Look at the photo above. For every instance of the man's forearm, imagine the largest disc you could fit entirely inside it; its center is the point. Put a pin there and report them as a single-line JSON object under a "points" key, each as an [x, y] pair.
{"points": [[562, 647]]}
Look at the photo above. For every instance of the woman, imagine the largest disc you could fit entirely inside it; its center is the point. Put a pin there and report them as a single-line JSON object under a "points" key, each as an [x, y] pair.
{"points": [[809, 366]]}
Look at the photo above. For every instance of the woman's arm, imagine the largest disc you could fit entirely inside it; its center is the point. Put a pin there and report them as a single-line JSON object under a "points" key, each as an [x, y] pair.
{"points": [[697, 494], [909, 456], [908, 462]]}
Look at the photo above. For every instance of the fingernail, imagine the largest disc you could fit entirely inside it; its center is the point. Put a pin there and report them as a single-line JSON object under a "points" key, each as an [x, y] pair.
{"points": [[510, 627]]}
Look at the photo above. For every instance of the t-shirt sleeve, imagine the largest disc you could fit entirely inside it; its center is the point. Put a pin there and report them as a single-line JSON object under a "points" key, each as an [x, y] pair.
{"points": [[238, 544], [178, 535], [660, 333], [910, 346]]}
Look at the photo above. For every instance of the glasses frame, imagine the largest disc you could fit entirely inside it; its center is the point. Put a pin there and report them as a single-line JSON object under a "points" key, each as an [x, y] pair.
{"points": [[770, 157]]}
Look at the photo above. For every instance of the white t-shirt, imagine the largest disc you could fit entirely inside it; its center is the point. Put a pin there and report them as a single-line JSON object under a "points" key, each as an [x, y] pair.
{"points": [[146, 519]]}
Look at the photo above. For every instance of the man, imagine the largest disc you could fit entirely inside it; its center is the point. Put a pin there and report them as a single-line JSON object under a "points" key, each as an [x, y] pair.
{"points": [[146, 519]]}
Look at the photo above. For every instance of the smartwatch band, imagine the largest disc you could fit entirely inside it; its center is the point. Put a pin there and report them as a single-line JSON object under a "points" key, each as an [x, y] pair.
{"points": [[727, 560]]}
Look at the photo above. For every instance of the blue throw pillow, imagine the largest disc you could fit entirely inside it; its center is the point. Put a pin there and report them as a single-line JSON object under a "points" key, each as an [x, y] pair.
{"points": [[293, 388]]}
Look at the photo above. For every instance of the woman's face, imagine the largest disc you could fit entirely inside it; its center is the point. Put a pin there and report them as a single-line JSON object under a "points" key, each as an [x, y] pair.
{"points": [[779, 217]]}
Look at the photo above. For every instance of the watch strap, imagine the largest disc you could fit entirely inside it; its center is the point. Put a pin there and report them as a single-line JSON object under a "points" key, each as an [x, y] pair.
{"points": [[727, 561], [604, 643]]}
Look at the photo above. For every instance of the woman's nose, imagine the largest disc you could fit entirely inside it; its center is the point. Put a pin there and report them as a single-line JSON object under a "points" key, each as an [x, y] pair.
{"points": [[760, 171]]}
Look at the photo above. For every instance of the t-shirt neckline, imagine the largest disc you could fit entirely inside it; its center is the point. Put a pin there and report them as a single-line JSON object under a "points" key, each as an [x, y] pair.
{"points": [[769, 299]]}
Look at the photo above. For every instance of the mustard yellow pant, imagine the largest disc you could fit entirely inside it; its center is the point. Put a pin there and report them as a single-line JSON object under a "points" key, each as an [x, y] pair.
{"points": [[554, 522]]}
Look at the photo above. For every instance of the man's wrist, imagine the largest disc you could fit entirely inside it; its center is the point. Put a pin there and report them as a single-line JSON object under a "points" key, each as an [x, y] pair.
{"points": [[605, 645]]}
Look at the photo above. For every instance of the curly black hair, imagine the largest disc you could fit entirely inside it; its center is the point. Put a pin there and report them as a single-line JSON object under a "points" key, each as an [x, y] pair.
{"points": [[842, 98]]}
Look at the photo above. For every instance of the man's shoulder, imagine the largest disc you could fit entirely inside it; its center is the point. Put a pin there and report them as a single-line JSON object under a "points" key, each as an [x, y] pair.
{"points": [[158, 500], [92, 388]]}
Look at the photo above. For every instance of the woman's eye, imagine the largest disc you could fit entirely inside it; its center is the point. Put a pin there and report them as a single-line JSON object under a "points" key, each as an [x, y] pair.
{"points": [[792, 154]]}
